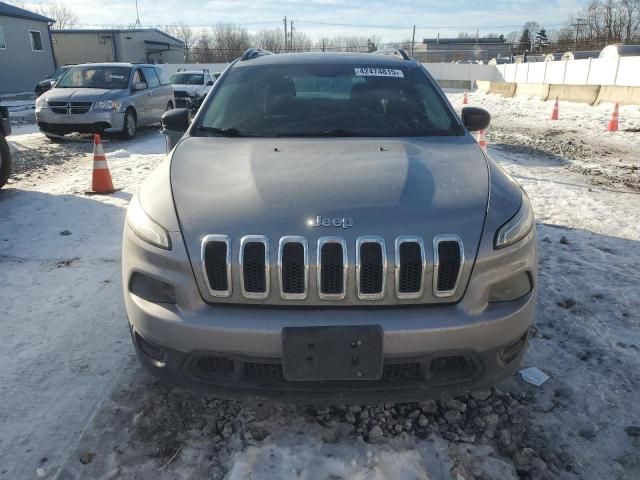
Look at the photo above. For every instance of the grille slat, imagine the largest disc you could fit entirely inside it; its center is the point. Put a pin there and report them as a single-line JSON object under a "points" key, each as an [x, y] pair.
{"points": [[411, 260], [371, 265], [255, 267], [331, 269], [216, 259], [216, 265], [293, 267], [448, 262]]}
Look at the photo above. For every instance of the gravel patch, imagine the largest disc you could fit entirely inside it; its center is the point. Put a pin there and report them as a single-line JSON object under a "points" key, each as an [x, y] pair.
{"points": [[605, 164]]}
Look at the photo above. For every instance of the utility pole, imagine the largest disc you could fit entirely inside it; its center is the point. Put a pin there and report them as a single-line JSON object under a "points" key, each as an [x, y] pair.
{"points": [[291, 36], [577, 25], [285, 34], [413, 39]]}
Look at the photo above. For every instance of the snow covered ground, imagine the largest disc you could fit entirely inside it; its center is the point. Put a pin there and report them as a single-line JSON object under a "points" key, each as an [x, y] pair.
{"points": [[74, 403]]}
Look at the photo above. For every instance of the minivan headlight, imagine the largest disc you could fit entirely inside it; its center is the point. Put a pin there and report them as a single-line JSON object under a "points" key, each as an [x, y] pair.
{"points": [[145, 228], [518, 226], [107, 105], [41, 103]]}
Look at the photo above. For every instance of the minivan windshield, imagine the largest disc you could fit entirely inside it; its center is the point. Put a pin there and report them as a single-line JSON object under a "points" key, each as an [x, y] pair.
{"points": [[109, 78], [187, 79], [327, 100]]}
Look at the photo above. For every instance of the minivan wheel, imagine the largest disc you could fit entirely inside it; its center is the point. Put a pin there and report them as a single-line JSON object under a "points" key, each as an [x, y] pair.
{"points": [[129, 127], [5, 161]]}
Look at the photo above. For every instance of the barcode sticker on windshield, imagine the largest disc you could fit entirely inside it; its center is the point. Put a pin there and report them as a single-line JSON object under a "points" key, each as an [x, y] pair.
{"points": [[378, 72]]}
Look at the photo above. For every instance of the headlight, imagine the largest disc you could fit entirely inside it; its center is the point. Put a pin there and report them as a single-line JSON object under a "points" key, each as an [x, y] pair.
{"points": [[145, 228], [518, 226], [107, 105], [41, 103]]}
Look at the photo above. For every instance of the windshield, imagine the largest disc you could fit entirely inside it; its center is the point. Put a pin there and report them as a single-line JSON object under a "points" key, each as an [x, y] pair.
{"points": [[327, 100], [187, 79], [109, 78], [59, 72]]}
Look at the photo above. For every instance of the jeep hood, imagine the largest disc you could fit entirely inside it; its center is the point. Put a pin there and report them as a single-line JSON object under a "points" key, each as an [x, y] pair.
{"points": [[388, 187]]}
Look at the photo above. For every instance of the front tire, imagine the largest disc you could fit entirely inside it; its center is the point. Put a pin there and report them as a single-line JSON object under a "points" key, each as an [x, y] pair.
{"points": [[5, 161], [129, 127]]}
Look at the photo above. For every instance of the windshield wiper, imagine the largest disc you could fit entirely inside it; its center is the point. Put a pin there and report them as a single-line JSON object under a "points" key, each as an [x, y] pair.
{"points": [[225, 132], [333, 132]]}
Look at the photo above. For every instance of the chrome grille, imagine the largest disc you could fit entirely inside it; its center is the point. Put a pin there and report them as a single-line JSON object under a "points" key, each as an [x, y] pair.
{"points": [[70, 107], [333, 261]]}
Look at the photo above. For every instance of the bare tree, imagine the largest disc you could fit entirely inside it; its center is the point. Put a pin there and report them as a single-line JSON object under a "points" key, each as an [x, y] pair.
{"points": [[229, 41], [202, 51], [64, 15], [184, 33], [272, 40]]}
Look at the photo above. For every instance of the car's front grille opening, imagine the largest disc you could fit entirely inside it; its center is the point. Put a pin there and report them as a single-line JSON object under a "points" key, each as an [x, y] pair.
{"points": [[400, 371], [254, 268], [451, 367], [256, 370], [293, 268], [212, 364], [70, 107], [449, 261], [371, 268], [216, 253], [332, 269], [410, 277]]}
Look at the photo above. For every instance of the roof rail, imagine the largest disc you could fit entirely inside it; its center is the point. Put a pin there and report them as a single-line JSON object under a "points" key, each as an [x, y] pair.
{"points": [[192, 70], [251, 53], [394, 52]]}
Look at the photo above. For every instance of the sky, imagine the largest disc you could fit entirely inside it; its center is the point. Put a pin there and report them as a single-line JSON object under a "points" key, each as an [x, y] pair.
{"points": [[389, 20]]}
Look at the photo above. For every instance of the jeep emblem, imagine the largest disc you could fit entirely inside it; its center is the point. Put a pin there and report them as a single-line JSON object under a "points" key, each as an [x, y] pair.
{"points": [[344, 222]]}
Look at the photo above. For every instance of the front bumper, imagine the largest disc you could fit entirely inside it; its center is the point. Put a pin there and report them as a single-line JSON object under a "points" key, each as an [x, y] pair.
{"points": [[93, 121], [236, 351]]}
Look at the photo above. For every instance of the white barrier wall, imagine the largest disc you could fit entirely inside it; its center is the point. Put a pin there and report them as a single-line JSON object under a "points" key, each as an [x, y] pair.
{"points": [[623, 71], [629, 72]]}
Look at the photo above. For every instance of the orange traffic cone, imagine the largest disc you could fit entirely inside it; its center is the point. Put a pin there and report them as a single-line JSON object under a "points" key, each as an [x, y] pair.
{"points": [[556, 110], [101, 182], [613, 123], [465, 100], [482, 141]]}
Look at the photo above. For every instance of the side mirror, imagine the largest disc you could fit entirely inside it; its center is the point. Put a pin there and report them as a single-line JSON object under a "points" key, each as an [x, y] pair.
{"points": [[475, 118], [139, 86], [174, 123], [209, 83]]}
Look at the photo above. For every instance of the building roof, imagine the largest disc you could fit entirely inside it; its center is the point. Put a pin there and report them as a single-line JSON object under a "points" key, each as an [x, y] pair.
{"points": [[465, 41], [118, 30], [7, 10]]}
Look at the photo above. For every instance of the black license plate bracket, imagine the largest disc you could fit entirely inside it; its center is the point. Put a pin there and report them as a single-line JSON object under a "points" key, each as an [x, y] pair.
{"points": [[332, 353]]}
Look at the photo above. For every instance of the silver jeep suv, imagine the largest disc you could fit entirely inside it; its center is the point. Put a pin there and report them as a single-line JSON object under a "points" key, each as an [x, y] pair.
{"points": [[328, 229], [105, 97]]}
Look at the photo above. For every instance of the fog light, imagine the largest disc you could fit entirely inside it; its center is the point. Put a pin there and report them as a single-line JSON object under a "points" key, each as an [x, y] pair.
{"points": [[154, 352], [511, 288], [152, 290], [511, 351]]}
